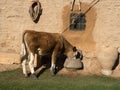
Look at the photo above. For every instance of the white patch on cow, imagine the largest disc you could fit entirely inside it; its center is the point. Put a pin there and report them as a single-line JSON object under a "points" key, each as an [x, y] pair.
{"points": [[23, 52], [24, 67], [74, 58], [39, 51], [52, 66], [22, 49], [31, 63]]}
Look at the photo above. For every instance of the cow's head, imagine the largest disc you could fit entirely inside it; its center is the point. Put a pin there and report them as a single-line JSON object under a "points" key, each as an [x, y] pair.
{"points": [[75, 53], [78, 53]]}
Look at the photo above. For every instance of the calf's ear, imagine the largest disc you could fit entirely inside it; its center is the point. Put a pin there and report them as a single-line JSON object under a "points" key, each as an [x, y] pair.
{"points": [[74, 49]]}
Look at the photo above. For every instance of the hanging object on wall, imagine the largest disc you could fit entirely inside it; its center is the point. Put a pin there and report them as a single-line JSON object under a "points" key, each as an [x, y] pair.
{"points": [[78, 20], [72, 6], [35, 10]]}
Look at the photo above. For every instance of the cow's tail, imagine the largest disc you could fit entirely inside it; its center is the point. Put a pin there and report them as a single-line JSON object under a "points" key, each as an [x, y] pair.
{"points": [[24, 53]]}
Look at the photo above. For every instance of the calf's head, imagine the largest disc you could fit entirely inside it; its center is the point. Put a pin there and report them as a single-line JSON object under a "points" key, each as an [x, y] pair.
{"points": [[76, 53]]}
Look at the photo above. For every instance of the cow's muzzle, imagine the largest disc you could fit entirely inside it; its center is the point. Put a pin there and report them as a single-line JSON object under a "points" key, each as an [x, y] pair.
{"points": [[79, 55]]}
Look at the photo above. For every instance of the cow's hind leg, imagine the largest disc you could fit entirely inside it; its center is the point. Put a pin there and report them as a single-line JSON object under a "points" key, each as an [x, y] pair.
{"points": [[24, 60], [31, 65], [24, 68]]}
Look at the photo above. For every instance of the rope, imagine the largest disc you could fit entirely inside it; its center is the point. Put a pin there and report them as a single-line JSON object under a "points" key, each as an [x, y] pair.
{"points": [[72, 6], [35, 10], [94, 2], [80, 5]]}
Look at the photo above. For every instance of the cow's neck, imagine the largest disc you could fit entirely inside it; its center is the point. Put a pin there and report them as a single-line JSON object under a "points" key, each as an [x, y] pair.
{"points": [[67, 47]]}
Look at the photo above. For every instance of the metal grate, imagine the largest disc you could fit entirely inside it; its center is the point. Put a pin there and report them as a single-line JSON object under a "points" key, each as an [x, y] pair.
{"points": [[77, 21]]}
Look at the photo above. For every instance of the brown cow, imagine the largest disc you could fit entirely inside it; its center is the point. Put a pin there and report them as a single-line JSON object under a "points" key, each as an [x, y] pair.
{"points": [[43, 43]]}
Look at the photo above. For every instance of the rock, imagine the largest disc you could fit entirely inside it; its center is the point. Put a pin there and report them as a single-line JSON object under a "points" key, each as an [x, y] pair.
{"points": [[107, 56]]}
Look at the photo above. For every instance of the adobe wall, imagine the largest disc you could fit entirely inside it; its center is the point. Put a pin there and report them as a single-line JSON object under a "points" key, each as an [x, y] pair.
{"points": [[15, 19], [102, 24]]}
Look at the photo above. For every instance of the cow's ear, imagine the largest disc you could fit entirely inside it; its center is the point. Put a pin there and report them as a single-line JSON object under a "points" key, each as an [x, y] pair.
{"points": [[74, 49]]}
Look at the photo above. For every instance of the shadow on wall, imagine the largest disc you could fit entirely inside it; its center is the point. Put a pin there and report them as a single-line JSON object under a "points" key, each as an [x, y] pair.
{"points": [[116, 63], [82, 39]]}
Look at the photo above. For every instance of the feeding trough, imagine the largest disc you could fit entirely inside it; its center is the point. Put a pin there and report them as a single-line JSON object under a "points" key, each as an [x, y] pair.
{"points": [[72, 63]]}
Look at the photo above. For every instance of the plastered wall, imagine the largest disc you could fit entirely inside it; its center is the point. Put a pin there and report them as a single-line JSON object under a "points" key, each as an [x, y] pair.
{"points": [[103, 23]]}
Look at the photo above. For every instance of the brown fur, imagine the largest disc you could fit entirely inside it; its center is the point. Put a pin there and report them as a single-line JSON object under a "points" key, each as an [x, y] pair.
{"points": [[47, 42], [44, 43]]}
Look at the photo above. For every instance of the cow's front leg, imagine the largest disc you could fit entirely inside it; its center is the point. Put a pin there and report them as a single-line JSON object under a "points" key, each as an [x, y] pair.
{"points": [[31, 65], [52, 69]]}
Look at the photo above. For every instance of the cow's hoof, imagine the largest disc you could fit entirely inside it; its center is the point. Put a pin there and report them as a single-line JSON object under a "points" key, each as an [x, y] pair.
{"points": [[34, 76], [52, 72]]}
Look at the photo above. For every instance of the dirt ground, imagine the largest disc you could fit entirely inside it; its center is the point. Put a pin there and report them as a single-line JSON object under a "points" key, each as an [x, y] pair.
{"points": [[8, 67]]}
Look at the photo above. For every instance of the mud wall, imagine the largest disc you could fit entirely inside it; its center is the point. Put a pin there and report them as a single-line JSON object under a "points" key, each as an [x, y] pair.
{"points": [[15, 19], [102, 28], [102, 22]]}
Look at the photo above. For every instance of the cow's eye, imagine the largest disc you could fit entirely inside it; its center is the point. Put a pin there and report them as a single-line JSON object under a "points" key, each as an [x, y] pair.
{"points": [[74, 49]]}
